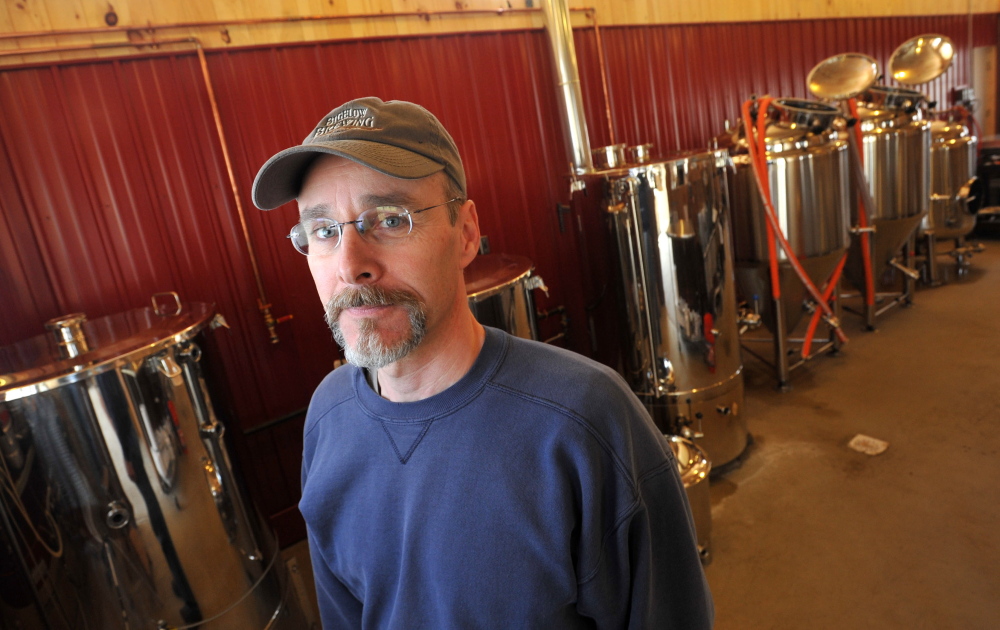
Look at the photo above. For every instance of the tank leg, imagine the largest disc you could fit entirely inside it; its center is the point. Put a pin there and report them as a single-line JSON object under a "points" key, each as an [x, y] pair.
{"points": [[933, 278], [838, 313], [870, 309], [781, 347], [909, 284], [961, 260]]}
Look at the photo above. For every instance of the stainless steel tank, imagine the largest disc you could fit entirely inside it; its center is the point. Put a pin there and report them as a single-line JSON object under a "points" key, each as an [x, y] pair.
{"points": [[953, 170], [954, 187], [500, 289], [670, 224], [808, 173], [896, 141], [120, 507]]}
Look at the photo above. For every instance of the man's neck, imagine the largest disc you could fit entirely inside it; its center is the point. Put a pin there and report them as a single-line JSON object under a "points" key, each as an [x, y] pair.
{"points": [[435, 365]]}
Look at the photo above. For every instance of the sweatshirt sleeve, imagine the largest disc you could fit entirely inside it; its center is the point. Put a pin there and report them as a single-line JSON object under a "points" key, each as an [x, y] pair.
{"points": [[650, 575], [337, 606]]}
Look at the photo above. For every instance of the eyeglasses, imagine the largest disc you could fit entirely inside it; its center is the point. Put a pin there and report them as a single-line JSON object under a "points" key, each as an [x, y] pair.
{"points": [[383, 224]]}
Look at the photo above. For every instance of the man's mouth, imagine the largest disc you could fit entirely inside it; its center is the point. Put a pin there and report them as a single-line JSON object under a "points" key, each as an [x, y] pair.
{"points": [[368, 302], [366, 311]]}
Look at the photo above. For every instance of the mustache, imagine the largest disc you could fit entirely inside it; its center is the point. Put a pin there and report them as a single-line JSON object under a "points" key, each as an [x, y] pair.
{"points": [[352, 297]]}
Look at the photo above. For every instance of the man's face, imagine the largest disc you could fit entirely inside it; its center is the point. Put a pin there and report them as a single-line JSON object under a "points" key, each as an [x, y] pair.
{"points": [[383, 299]]}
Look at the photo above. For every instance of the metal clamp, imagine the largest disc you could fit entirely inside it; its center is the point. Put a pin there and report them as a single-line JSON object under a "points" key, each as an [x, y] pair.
{"points": [[167, 366], [177, 304]]}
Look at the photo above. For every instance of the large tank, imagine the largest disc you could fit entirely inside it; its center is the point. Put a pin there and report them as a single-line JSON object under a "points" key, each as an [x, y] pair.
{"points": [[807, 170], [896, 141], [672, 238], [120, 507]]}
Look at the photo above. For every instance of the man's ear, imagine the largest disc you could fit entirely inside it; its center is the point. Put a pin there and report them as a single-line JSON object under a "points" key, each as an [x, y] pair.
{"points": [[468, 221]]}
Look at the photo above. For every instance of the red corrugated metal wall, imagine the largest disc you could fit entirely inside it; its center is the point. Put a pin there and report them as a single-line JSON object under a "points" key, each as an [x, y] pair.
{"points": [[675, 86], [113, 187]]}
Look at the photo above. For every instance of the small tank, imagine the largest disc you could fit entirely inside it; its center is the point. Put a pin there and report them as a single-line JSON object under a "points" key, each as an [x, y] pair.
{"points": [[953, 172], [955, 193]]}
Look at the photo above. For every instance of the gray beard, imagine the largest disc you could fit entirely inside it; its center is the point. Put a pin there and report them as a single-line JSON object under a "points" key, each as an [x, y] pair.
{"points": [[370, 350]]}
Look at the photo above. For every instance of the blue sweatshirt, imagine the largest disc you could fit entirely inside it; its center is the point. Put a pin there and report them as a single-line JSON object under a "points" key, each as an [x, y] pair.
{"points": [[533, 493]]}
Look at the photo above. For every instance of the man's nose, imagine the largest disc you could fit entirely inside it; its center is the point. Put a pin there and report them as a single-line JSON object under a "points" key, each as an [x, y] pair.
{"points": [[358, 263]]}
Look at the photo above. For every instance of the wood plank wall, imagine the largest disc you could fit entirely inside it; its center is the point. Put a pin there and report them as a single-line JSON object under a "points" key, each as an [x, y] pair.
{"points": [[149, 20]]}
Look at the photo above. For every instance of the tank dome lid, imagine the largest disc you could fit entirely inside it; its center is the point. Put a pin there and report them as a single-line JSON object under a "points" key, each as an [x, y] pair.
{"points": [[75, 348], [921, 59]]}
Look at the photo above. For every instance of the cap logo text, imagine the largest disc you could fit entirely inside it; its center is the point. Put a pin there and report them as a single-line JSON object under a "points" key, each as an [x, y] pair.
{"points": [[345, 119]]}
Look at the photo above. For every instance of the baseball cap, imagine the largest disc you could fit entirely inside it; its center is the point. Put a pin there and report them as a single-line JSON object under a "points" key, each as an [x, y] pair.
{"points": [[397, 138]]}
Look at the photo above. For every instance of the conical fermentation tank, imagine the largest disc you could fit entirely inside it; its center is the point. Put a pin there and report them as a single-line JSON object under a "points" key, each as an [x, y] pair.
{"points": [[669, 223], [896, 142], [807, 170], [120, 506]]}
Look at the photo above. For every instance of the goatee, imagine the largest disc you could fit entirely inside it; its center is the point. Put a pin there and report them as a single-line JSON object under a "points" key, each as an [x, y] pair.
{"points": [[370, 349]]}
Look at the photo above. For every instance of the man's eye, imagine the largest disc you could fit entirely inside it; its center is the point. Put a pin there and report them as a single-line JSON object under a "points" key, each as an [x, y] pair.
{"points": [[324, 232], [391, 221]]}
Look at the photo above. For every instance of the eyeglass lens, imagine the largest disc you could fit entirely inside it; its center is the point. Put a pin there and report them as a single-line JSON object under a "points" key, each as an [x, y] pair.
{"points": [[320, 237]]}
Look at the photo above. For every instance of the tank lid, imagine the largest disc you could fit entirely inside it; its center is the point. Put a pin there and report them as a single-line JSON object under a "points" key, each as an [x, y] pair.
{"points": [[76, 348], [945, 130], [795, 125], [921, 59], [487, 274], [842, 76]]}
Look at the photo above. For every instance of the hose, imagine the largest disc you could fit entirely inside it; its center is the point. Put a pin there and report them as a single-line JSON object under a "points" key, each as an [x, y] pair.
{"points": [[831, 286], [866, 251], [758, 163]]}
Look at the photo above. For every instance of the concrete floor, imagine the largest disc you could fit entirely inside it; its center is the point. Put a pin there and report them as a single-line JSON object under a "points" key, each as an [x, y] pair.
{"points": [[810, 534]]}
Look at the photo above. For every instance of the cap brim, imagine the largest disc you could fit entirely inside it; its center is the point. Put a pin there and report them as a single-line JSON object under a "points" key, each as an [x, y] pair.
{"points": [[280, 179]]}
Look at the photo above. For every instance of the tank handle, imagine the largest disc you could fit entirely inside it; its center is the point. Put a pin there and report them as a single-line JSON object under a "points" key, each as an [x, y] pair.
{"points": [[162, 312]]}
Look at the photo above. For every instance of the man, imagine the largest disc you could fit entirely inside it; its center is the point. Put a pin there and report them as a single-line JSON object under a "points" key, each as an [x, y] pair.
{"points": [[454, 476]]}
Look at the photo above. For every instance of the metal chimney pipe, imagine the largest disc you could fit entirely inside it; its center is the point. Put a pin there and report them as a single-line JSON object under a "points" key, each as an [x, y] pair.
{"points": [[574, 123]]}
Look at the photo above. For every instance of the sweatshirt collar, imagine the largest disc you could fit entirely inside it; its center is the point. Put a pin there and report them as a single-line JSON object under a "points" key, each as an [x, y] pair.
{"points": [[442, 403]]}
